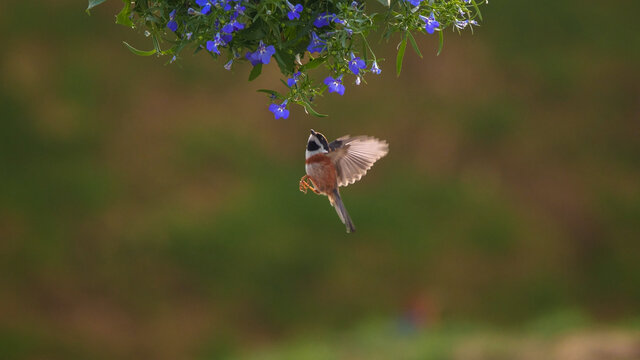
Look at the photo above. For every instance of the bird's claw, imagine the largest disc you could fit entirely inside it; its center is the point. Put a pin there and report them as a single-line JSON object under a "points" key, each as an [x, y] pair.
{"points": [[304, 186]]}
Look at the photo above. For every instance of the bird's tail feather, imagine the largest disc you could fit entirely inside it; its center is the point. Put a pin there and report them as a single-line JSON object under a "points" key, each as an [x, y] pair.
{"points": [[336, 201]]}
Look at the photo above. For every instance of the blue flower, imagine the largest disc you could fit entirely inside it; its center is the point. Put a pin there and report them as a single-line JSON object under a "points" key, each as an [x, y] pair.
{"points": [[338, 20], [375, 69], [224, 4], [227, 66], [415, 2], [295, 11], [461, 24], [262, 55], [335, 84], [293, 80], [232, 26], [279, 111], [323, 19], [172, 24], [430, 23], [354, 4], [316, 44], [227, 38], [239, 8], [355, 64], [206, 6], [252, 58], [212, 45]]}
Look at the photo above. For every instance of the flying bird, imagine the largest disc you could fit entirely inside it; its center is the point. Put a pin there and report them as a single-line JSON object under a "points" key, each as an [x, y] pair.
{"points": [[339, 163]]}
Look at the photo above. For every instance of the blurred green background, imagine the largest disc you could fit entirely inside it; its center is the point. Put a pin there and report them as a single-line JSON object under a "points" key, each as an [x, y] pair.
{"points": [[152, 212]]}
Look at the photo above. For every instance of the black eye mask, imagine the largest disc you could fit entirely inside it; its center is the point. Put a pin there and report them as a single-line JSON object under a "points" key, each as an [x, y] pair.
{"points": [[312, 146]]}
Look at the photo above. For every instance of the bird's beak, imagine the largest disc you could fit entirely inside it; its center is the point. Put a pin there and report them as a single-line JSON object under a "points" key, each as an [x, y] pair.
{"points": [[313, 132]]}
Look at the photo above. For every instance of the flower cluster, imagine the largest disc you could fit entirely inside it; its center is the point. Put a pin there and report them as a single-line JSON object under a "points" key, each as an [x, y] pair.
{"points": [[299, 35]]}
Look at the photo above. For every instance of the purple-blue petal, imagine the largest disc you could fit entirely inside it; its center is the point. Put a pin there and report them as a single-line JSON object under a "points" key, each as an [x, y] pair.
{"points": [[271, 50], [375, 69], [355, 64], [211, 46], [431, 27], [253, 58], [265, 59], [322, 20], [334, 84], [279, 111], [267, 54], [228, 28]]}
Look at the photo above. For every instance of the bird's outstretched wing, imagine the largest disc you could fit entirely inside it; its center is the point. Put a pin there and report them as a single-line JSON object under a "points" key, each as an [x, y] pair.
{"points": [[354, 156]]}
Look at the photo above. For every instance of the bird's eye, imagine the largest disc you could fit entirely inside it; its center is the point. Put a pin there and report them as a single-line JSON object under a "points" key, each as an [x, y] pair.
{"points": [[312, 146]]}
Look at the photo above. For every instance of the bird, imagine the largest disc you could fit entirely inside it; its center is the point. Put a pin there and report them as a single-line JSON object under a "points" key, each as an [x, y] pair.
{"points": [[330, 165]]}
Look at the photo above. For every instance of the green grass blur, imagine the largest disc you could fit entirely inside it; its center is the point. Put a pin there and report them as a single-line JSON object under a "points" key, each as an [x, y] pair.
{"points": [[152, 211]]}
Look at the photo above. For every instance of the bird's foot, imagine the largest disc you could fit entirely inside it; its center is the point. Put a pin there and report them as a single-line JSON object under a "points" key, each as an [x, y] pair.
{"points": [[304, 186]]}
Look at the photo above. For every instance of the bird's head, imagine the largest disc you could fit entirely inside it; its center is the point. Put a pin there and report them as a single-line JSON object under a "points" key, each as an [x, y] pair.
{"points": [[317, 144]]}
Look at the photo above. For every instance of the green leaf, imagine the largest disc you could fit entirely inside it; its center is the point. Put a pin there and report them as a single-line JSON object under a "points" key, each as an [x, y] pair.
{"points": [[255, 72], [414, 44], [387, 34], [310, 110], [400, 57], [441, 44], [285, 61], [477, 9], [92, 4], [321, 89], [156, 44], [270, 92], [139, 52], [123, 17], [386, 3], [313, 63], [255, 31]]}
